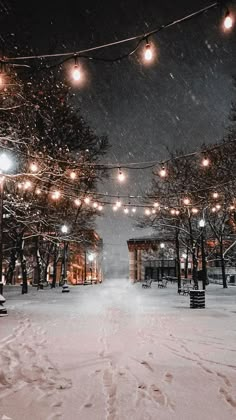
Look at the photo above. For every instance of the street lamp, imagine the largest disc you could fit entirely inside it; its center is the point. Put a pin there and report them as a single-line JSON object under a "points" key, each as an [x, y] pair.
{"points": [[64, 230], [5, 165], [204, 271]]}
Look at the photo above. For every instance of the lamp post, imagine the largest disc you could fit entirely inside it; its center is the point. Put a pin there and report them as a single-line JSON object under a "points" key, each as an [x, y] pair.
{"points": [[204, 271], [5, 164], [64, 230], [162, 246]]}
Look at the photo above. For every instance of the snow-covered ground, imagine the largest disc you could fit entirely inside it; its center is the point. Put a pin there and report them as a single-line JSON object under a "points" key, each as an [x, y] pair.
{"points": [[116, 351]]}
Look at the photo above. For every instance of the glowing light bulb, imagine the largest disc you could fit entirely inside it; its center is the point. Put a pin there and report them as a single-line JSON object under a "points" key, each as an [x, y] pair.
{"points": [[205, 162], [194, 211], [186, 201], [156, 205], [27, 185], [126, 211], [218, 206], [95, 205], [56, 195], [87, 200], [118, 204], [213, 209], [153, 211], [232, 208], [73, 175], [173, 212], [19, 185], [177, 212], [163, 172], [147, 212], [114, 208], [134, 210], [38, 191], [33, 167], [77, 202], [76, 74], [228, 21], [121, 176], [1, 80], [215, 195], [100, 207], [148, 52], [162, 245]]}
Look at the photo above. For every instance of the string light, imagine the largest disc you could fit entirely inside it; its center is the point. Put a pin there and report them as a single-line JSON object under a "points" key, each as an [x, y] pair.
{"points": [[76, 74], [163, 172], [38, 191], [215, 195], [153, 211], [147, 212], [118, 203], [205, 162], [194, 211], [218, 206], [134, 210], [177, 212], [228, 21], [100, 207], [156, 204], [77, 202], [213, 209], [186, 201], [56, 195], [232, 208], [87, 200], [73, 175], [173, 212], [126, 210], [121, 175], [115, 208], [95, 205], [148, 52], [27, 185], [33, 167]]}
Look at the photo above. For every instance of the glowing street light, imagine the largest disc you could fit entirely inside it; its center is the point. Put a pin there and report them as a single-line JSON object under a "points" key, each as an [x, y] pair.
{"points": [[148, 55], [228, 21]]}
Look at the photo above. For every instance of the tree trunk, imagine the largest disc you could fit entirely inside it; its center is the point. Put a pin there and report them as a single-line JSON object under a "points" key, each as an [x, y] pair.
{"points": [[186, 265], [178, 271], [38, 262], [223, 265], [54, 274], [12, 266], [23, 267]]}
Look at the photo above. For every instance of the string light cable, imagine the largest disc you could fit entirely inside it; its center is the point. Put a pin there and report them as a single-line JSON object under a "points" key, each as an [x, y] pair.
{"points": [[140, 38]]}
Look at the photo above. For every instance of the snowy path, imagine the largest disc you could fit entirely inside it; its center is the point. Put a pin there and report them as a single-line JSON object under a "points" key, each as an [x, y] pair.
{"points": [[115, 352]]}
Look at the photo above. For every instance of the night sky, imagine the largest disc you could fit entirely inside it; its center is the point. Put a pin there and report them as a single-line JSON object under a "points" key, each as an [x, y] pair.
{"points": [[181, 100]]}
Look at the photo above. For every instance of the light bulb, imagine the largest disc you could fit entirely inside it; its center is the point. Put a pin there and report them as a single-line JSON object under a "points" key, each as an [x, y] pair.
{"points": [[163, 172], [148, 52], [77, 202], [100, 207], [156, 204], [118, 203], [87, 200], [27, 185], [73, 175], [38, 191], [205, 162], [194, 211], [56, 195], [228, 21], [177, 212], [232, 208], [126, 211], [173, 212], [162, 245], [215, 195], [114, 208], [76, 74], [134, 210], [218, 206], [153, 211], [33, 167], [186, 201], [64, 229], [147, 212], [121, 176], [213, 209], [95, 205]]}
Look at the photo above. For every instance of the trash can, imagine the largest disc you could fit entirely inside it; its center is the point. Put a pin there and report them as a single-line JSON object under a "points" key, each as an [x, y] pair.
{"points": [[197, 299]]}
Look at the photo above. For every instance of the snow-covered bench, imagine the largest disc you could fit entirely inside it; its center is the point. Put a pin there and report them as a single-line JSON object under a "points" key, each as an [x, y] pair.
{"points": [[147, 283], [162, 283]]}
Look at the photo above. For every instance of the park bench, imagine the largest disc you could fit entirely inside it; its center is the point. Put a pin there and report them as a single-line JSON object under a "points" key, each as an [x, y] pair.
{"points": [[147, 283], [162, 283]]}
